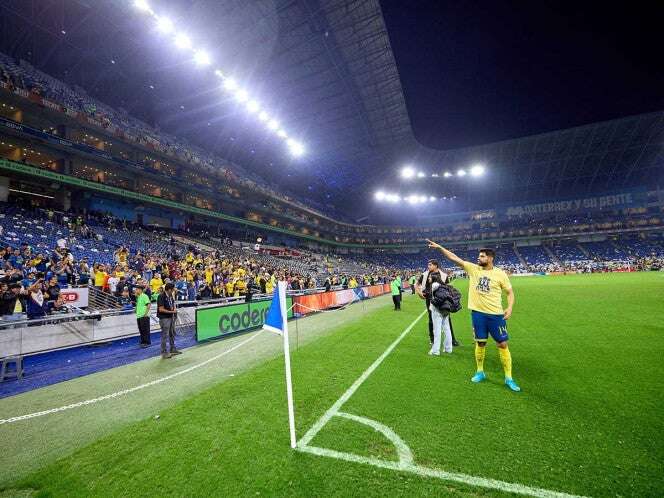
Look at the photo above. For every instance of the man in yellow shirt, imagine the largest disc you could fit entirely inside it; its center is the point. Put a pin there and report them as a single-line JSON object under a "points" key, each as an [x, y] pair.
{"points": [[485, 291]]}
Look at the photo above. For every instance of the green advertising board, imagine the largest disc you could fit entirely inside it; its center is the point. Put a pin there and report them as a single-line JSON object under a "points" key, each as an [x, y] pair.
{"points": [[218, 321]]}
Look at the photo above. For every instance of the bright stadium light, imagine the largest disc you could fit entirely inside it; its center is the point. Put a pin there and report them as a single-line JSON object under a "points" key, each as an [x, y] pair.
{"points": [[434, 175], [392, 198], [411, 199], [273, 125], [421, 175], [263, 116], [380, 195], [182, 41], [447, 174], [252, 106], [296, 148], [230, 84], [241, 95], [477, 170], [407, 172], [423, 198], [202, 58], [142, 5], [165, 25], [432, 198], [461, 172], [282, 134]]}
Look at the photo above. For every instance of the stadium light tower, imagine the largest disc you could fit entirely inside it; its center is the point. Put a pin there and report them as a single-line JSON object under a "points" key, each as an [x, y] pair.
{"points": [[447, 174], [164, 25], [461, 172], [477, 170], [182, 41], [230, 84], [407, 172], [142, 5], [252, 106], [241, 95], [202, 58], [296, 148]]}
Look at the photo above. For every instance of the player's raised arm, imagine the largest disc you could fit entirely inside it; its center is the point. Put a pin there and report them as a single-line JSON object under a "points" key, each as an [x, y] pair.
{"points": [[448, 254]]}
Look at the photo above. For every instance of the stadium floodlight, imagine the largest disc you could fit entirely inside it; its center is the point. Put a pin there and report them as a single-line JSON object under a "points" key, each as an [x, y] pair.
{"points": [[252, 106], [164, 25], [241, 95], [447, 174], [219, 73], [434, 175], [380, 195], [411, 199], [393, 198], [202, 58], [230, 84], [421, 175], [263, 116], [461, 172], [273, 125], [432, 198], [407, 172], [296, 148], [423, 198], [282, 134], [142, 5], [182, 41], [477, 170]]}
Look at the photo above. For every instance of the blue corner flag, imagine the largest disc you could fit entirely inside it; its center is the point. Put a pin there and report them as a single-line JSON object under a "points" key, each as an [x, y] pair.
{"points": [[277, 321], [274, 321]]}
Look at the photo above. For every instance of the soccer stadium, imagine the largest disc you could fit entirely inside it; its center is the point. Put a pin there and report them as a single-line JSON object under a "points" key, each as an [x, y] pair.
{"points": [[331, 248]]}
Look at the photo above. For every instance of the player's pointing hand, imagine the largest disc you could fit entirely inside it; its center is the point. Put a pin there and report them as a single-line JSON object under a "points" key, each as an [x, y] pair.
{"points": [[433, 245]]}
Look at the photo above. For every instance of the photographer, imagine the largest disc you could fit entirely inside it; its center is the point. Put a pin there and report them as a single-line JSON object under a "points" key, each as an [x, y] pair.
{"points": [[423, 289], [167, 314]]}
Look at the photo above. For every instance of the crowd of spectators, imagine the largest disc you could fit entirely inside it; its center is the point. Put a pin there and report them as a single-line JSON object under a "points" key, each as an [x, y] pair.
{"points": [[127, 256]]}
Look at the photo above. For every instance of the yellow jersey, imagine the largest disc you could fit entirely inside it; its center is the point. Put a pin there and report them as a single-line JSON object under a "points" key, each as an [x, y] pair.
{"points": [[155, 284], [485, 289]]}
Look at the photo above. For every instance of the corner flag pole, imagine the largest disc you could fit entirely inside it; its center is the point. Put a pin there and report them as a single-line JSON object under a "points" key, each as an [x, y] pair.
{"points": [[289, 383]]}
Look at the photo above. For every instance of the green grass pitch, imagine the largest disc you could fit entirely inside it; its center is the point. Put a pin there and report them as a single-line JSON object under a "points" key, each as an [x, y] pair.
{"points": [[588, 352]]}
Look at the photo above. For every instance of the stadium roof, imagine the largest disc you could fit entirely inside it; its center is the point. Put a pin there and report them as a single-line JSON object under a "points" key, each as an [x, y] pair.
{"points": [[327, 69]]}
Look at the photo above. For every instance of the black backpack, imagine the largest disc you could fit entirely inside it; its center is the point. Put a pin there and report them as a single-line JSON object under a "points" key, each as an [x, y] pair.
{"points": [[446, 299]]}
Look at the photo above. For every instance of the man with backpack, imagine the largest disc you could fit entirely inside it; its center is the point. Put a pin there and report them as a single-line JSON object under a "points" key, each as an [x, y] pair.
{"points": [[423, 289], [437, 323]]}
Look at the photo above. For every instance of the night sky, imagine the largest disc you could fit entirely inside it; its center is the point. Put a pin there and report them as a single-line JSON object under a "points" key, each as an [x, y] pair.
{"points": [[479, 72]]}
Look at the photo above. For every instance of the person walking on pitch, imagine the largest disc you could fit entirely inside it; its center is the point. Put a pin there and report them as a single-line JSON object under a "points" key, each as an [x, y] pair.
{"points": [[485, 290]]}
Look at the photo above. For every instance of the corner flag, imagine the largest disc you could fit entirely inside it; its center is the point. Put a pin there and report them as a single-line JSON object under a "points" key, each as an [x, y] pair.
{"points": [[277, 321]]}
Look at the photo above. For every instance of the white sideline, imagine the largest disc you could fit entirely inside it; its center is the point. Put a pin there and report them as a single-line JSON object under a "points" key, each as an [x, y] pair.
{"points": [[127, 391], [406, 462]]}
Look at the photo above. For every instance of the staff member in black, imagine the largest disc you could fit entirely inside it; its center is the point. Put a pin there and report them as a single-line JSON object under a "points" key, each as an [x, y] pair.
{"points": [[167, 314], [423, 289]]}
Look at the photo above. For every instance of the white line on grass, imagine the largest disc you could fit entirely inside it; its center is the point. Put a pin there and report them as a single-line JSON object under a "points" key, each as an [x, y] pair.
{"points": [[127, 391], [334, 409], [438, 474], [406, 462]]}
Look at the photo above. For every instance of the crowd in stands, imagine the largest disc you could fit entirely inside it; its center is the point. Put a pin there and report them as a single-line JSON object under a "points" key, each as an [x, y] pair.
{"points": [[44, 251]]}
